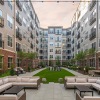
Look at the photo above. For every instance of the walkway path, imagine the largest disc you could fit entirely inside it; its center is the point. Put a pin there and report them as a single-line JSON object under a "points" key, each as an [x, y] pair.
{"points": [[32, 73], [74, 72]]}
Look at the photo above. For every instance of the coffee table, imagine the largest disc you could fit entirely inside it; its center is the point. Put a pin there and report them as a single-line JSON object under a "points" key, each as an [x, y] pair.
{"points": [[83, 88], [14, 90]]}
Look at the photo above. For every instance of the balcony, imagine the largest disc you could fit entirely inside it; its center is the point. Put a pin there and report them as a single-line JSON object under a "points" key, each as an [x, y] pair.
{"points": [[78, 25], [1, 22], [31, 46], [2, 2], [73, 49], [78, 36], [19, 5], [18, 34], [58, 40], [92, 19], [36, 33], [18, 49], [32, 36], [78, 46], [92, 34], [73, 41], [37, 41], [18, 19], [57, 52], [31, 14], [68, 45], [92, 4], [31, 25]]}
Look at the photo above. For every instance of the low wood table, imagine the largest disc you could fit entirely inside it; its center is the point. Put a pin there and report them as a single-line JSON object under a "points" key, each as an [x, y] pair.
{"points": [[14, 90], [83, 88]]}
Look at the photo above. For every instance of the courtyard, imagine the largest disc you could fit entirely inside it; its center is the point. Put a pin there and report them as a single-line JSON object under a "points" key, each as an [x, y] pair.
{"points": [[53, 91]]}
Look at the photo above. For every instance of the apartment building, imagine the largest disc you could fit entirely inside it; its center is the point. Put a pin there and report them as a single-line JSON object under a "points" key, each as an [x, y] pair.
{"points": [[55, 42], [19, 28], [85, 31]]}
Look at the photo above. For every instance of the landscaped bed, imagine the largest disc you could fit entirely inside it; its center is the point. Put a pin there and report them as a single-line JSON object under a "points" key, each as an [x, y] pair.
{"points": [[53, 76]]}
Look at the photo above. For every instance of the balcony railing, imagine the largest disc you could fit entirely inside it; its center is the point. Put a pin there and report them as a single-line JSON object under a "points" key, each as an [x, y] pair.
{"points": [[18, 34], [2, 2], [92, 19], [31, 25], [18, 49], [92, 34], [19, 20], [57, 52], [31, 46], [1, 22], [78, 26], [78, 46], [73, 49], [19, 4], [92, 4], [32, 36], [58, 40], [78, 36]]}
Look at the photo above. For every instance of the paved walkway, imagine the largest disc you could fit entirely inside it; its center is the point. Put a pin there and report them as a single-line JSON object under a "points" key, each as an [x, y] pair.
{"points": [[32, 73], [74, 72]]}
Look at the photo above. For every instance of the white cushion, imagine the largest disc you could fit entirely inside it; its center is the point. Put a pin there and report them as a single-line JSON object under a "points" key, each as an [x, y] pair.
{"points": [[32, 80], [18, 79], [92, 80], [71, 80], [25, 79], [91, 98], [5, 86], [81, 80], [98, 81], [1, 81], [8, 97], [96, 86], [12, 79], [5, 80]]}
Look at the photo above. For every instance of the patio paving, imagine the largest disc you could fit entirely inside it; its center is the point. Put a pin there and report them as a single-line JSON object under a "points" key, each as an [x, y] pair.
{"points": [[52, 91]]}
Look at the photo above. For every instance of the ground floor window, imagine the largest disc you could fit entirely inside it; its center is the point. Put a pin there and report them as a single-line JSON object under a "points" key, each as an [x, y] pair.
{"points": [[1, 62], [10, 61], [92, 62], [99, 61], [18, 62]]}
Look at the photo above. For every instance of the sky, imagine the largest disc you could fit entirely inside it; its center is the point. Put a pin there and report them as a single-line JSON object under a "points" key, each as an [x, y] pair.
{"points": [[55, 14]]}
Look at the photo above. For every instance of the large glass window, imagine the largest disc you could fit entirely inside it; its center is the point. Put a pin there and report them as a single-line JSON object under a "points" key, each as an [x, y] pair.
{"points": [[9, 21], [10, 61], [0, 12], [10, 4], [9, 41], [1, 62]]}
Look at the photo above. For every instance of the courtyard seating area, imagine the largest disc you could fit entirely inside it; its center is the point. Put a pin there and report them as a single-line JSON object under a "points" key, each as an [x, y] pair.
{"points": [[29, 87]]}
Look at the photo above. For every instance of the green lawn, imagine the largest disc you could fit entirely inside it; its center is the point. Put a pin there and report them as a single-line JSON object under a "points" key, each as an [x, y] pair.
{"points": [[53, 76]]}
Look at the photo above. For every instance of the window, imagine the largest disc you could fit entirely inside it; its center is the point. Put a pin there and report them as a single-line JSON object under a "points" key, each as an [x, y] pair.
{"points": [[9, 41], [51, 56], [51, 44], [51, 50], [10, 4], [9, 21], [10, 61], [51, 38], [1, 62], [18, 62], [99, 42], [0, 13]]}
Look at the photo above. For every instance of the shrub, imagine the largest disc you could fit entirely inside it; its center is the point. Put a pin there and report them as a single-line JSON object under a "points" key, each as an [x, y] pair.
{"points": [[12, 72]]}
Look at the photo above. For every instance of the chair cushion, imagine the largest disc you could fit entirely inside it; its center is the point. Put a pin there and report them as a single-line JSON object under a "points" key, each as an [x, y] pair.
{"points": [[25, 84], [72, 85], [98, 82], [92, 80], [12, 79], [71, 80], [8, 97], [18, 79], [5, 86], [25, 79], [32, 80], [1, 81], [81, 80], [96, 86], [5, 80]]}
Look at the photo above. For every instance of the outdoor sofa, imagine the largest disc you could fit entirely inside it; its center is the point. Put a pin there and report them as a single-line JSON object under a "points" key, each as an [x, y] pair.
{"points": [[78, 97], [93, 82], [26, 81]]}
